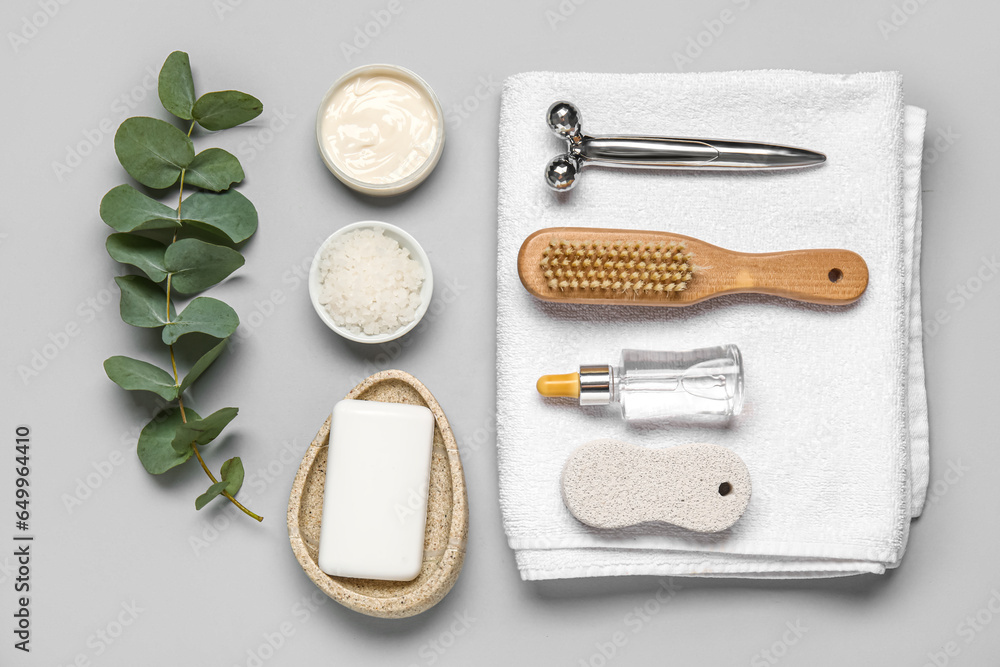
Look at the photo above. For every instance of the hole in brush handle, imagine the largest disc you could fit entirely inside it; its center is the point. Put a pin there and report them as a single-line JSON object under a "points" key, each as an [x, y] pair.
{"points": [[823, 276]]}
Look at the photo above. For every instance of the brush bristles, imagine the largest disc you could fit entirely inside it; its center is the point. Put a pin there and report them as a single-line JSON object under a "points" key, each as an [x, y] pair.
{"points": [[624, 267]]}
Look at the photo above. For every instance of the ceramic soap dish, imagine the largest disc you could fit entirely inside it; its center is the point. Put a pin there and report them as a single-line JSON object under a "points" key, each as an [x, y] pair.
{"points": [[447, 513]]}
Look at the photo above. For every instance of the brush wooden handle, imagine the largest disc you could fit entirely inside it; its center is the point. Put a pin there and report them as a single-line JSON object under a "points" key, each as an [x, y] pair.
{"points": [[833, 277]]}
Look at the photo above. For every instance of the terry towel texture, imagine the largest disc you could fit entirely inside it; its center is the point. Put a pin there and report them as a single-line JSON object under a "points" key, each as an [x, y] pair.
{"points": [[834, 428]]}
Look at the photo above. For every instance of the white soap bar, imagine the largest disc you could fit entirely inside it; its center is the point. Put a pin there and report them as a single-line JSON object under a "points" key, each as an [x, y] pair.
{"points": [[375, 499]]}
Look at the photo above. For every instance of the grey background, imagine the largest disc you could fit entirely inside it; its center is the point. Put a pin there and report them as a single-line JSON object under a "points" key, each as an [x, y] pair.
{"points": [[135, 539]]}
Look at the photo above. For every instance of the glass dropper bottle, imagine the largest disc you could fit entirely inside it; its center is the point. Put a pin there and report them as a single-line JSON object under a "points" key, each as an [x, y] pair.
{"points": [[706, 383]]}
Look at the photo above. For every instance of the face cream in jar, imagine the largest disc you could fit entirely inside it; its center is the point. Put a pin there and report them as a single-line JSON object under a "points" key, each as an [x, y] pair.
{"points": [[380, 129]]}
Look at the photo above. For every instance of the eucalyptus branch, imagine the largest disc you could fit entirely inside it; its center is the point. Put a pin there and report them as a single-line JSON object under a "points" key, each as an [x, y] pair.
{"points": [[158, 155]]}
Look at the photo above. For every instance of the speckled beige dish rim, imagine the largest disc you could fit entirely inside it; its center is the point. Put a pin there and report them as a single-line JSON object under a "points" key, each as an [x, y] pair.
{"points": [[444, 577]]}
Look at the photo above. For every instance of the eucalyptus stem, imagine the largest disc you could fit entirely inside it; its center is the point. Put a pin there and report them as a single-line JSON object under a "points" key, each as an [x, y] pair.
{"points": [[252, 515], [173, 364]]}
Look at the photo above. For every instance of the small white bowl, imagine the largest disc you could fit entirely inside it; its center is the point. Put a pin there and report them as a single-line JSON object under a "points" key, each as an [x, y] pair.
{"points": [[406, 241], [407, 182]]}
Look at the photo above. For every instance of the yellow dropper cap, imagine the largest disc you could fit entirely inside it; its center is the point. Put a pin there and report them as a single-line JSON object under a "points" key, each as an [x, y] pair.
{"points": [[566, 386]]}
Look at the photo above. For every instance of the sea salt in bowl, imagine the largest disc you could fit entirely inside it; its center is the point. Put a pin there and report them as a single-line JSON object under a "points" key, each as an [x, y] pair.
{"points": [[406, 242]]}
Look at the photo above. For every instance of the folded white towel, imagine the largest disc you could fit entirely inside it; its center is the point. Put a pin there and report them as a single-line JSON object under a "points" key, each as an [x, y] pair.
{"points": [[834, 429]]}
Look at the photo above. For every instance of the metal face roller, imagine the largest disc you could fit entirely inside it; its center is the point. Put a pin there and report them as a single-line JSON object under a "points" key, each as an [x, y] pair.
{"points": [[658, 152]]}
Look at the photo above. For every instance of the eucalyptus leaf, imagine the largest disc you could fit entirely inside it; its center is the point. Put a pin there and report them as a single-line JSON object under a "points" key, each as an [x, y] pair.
{"points": [[229, 212], [139, 251], [202, 364], [195, 265], [126, 209], [202, 431], [176, 86], [155, 449], [205, 233], [232, 474], [203, 315], [136, 375], [214, 169], [226, 108], [143, 303], [153, 151], [213, 492]]}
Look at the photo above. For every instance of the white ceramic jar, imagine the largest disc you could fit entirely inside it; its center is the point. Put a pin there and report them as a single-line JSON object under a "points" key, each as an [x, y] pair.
{"points": [[380, 129]]}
